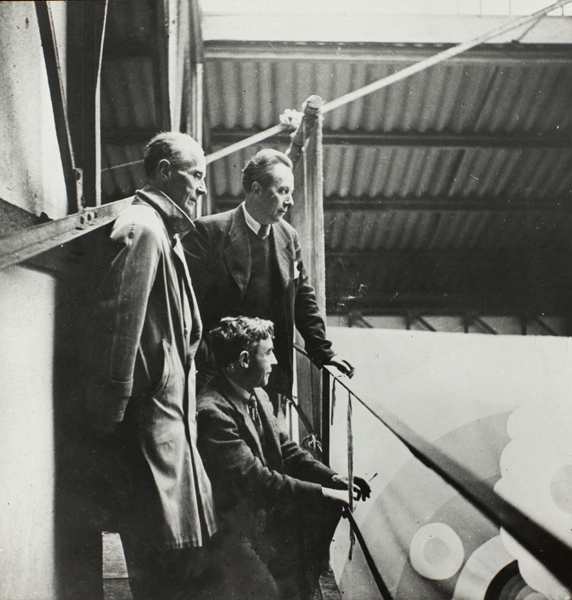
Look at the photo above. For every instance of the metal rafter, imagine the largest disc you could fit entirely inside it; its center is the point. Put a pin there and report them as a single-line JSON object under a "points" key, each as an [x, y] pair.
{"points": [[222, 137], [379, 53], [496, 205]]}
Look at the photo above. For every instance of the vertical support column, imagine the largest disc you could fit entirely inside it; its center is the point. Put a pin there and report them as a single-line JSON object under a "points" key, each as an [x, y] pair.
{"points": [[308, 219], [160, 19], [86, 25], [55, 75], [77, 520], [326, 411], [194, 90]]}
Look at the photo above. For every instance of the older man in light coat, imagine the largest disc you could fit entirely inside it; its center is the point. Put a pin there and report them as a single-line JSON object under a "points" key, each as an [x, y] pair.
{"points": [[142, 397]]}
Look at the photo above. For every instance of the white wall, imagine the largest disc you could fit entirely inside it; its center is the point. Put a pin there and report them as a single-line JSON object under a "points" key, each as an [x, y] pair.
{"points": [[31, 174], [26, 435], [31, 178]]}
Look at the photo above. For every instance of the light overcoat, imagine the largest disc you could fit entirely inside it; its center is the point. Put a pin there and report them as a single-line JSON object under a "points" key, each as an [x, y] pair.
{"points": [[147, 332]]}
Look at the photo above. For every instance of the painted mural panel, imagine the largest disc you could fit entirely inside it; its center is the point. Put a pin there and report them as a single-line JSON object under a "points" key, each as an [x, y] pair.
{"points": [[500, 405]]}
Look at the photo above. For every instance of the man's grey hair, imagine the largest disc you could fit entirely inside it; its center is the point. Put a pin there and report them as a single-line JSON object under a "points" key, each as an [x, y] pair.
{"points": [[174, 146]]}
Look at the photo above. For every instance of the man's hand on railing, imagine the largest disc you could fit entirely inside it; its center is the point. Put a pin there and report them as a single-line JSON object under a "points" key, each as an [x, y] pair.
{"points": [[361, 488], [343, 365]]}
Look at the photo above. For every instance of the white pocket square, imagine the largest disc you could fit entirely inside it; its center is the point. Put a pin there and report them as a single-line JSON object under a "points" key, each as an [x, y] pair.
{"points": [[296, 269]]}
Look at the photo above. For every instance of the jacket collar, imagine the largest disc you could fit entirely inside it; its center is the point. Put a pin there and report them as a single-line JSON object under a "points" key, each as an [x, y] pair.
{"points": [[238, 256], [232, 395], [178, 221]]}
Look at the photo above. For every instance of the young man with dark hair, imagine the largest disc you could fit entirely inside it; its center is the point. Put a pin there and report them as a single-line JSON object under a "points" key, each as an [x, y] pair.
{"points": [[276, 502]]}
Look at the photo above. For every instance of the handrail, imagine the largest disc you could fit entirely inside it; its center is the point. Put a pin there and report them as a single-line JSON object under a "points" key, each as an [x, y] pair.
{"points": [[549, 550], [383, 590]]}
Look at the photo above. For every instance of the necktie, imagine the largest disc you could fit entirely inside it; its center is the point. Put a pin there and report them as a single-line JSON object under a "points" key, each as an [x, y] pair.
{"points": [[254, 415], [264, 231]]}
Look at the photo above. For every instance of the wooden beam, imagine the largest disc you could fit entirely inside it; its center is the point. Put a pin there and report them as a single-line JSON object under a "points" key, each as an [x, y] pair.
{"points": [[452, 304], [26, 243], [222, 137], [496, 205]]}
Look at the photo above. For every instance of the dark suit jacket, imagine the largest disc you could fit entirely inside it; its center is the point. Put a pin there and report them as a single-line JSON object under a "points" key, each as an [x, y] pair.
{"points": [[238, 466], [219, 259], [268, 493]]}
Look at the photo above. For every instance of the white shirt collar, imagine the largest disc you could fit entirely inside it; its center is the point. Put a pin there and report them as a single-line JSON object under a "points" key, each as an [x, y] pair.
{"points": [[252, 223]]}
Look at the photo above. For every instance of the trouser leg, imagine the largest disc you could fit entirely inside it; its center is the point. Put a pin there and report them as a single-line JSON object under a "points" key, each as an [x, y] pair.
{"points": [[158, 574], [302, 540]]}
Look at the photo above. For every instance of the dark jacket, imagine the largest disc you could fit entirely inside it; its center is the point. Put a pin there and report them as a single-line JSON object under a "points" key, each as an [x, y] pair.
{"points": [[239, 468], [219, 259], [268, 492], [146, 333]]}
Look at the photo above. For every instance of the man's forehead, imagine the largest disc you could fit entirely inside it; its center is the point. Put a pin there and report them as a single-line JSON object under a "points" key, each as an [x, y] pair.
{"points": [[194, 157], [282, 174], [265, 343]]}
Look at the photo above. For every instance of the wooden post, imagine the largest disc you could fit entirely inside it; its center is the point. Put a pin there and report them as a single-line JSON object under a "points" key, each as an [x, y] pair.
{"points": [[308, 219], [86, 26]]}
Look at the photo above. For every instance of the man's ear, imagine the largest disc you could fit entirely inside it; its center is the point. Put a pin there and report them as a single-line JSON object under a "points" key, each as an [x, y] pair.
{"points": [[164, 169], [244, 359], [256, 188]]}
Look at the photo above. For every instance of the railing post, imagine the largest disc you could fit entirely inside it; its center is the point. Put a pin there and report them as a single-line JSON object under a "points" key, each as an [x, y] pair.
{"points": [[326, 407]]}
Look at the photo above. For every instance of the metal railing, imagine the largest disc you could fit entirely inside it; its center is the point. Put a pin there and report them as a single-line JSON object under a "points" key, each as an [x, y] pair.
{"points": [[548, 549]]}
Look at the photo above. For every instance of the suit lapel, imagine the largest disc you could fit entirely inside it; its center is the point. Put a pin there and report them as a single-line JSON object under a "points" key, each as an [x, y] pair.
{"points": [[231, 396], [272, 447], [196, 329], [237, 252], [282, 253]]}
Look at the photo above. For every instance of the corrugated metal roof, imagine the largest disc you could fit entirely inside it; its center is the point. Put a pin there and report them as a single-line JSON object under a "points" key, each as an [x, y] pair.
{"points": [[414, 220], [531, 174], [471, 203], [453, 98]]}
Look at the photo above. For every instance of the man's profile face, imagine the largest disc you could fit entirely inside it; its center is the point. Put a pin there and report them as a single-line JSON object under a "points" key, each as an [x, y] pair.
{"points": [[275, 200], [262, 360], [187, 183]]}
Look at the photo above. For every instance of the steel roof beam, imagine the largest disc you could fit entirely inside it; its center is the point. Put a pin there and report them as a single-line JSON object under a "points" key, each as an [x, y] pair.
{"points": [[454, 255], [498, 205], [222, 137], [377, 53], [436, 304]]}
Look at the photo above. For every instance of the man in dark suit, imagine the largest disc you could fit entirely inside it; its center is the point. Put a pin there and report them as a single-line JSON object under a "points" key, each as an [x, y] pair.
{"points": [[248, 261], [277, 504]]}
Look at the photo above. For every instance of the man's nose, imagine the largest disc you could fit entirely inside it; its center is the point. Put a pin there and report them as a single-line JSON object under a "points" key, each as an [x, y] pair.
{"points": [[273, 360], [289, 200], [202, 188]]}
